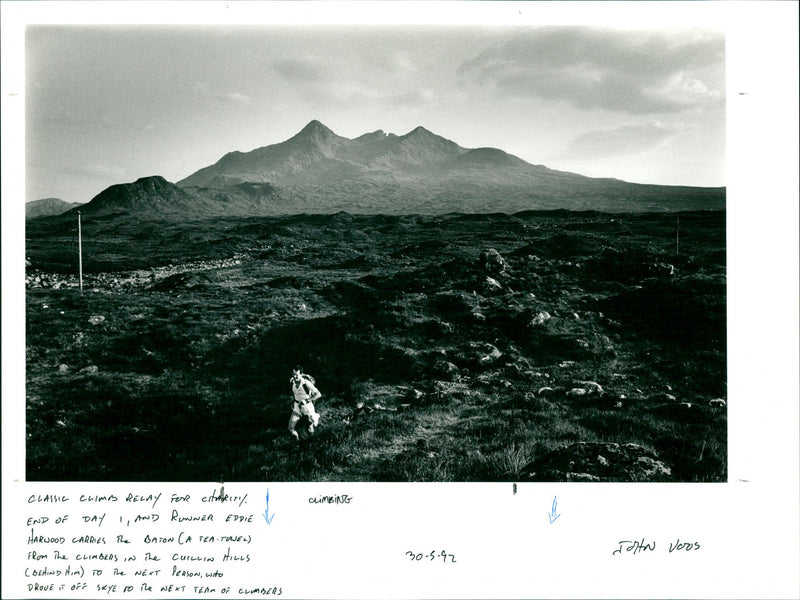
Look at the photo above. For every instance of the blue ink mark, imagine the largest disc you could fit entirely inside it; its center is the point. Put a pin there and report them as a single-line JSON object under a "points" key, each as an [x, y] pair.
{"points": [[553, 513], [267, 518]]}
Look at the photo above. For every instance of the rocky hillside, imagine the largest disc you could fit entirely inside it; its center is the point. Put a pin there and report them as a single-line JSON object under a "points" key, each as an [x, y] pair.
{"points": [[155, 196], [420, 172]]}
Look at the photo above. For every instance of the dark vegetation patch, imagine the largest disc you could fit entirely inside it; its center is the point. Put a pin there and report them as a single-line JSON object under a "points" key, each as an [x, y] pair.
{"points": [[450, 348]]}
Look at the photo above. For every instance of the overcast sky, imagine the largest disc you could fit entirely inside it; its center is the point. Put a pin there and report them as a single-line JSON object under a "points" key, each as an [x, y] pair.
{"points": [[110, 104]]}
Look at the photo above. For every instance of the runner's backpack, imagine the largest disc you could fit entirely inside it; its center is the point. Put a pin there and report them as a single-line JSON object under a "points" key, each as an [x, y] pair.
{"points": [[311, 380]]}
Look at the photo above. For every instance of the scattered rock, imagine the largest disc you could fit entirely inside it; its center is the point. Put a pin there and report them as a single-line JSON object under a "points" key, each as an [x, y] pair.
{"points": [[540, 317], [96, 319], [582, 477], [481, 354], [591, 387], [662, 269], [90, 369], [492, 284], [595, 461], [445, 369], [574, 392], [662, 397], [449, 390], [653, 468], [545, 391], [718, 402], [62, 368], [566, 363], [413, 394]]}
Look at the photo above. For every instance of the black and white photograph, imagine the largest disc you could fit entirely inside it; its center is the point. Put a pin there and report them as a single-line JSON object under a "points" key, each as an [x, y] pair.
{"points": [[479, 254], [395, 285]]}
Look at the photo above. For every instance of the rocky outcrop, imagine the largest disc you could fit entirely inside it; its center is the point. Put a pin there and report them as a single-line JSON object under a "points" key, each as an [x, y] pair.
{"points": [[593, 461]]}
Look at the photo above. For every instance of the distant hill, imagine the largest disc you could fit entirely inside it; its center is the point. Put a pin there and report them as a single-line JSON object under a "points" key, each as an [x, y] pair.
{"points": [[47, 207], [154, 196]]}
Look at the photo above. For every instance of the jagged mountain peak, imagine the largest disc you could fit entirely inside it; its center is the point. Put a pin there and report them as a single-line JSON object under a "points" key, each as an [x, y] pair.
{"points": [[314, 125], [315, 129], [420, 132], [374, 136]]}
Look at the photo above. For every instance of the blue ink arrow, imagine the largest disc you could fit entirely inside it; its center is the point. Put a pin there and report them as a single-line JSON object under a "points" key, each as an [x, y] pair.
{"points": [[267, 518], [553, 513]]}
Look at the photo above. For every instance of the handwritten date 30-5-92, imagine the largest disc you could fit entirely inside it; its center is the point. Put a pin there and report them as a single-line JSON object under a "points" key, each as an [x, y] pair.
{"points": [[432, 555]]}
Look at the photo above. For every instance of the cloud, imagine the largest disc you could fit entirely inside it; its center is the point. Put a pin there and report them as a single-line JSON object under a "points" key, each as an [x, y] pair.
{"points": [[624, 140], [307, 69], [628, 72], [204, 89], [94, 171], [237, 97], [414, 98]]}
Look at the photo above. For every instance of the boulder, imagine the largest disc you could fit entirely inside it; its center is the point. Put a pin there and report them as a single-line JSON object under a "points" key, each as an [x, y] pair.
{"points": [[445, 369], [91, 369], [539, 318], [480, 354], [717, 402], [491, 261], [491, 284], [591, 387]]}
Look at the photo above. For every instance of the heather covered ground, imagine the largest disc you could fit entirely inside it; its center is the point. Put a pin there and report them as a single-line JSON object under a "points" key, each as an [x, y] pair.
{"points": [[576, 346]]}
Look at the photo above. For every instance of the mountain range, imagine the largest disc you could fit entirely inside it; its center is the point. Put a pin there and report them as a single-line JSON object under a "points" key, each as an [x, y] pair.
{"points": [[318, 171]]}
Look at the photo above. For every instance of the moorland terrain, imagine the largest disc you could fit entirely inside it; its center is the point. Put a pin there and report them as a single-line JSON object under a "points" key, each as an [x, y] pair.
{"points": [[540, 345]]}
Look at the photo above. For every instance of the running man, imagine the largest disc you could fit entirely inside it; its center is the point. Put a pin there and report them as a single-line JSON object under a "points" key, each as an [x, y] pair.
{"points": [[305, 393]]}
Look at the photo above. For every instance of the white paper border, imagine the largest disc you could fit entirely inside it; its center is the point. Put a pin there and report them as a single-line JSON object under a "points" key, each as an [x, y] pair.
{"points": [[750, 525]]}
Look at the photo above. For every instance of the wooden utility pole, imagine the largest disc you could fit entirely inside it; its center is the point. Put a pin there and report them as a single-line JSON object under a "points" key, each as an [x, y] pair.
{"points": [[80, 254]]}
